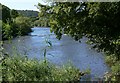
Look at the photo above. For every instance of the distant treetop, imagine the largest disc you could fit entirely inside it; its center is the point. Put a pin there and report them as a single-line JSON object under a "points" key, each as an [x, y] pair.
{"points": [[28, 13]]}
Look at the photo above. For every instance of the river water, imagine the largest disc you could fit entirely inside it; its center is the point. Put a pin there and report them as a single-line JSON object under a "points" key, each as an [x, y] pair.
{"points": [[79, 54]]}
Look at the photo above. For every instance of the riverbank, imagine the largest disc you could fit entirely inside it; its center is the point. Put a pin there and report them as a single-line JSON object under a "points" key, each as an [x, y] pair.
{"points": [[62, 51], [21, 68]]}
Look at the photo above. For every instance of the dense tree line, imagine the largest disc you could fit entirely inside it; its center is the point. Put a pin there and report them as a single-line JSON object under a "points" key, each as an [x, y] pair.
{"points": [[97, 21], [34, 15], [28, 13], [19, 22], [13, 24]]}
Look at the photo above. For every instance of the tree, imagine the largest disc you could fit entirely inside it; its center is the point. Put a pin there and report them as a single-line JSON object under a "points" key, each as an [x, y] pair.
{"points": [[23, 25], [14, 13], [99, 22], [13, 24], [5, 13]]}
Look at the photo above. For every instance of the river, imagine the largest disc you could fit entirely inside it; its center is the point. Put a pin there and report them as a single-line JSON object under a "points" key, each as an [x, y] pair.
{"points": [[67, 49]]}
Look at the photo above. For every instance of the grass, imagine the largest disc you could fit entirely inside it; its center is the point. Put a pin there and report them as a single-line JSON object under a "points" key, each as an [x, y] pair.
{"points": [[20, 68]]}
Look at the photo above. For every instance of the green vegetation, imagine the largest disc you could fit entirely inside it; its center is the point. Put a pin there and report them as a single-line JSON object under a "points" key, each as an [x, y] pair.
{"points": [[5, 11], [19, 68], [14, 13], [43, 22], [0, 30], [13, 24], [28, 13], [35, 17], [97, 21], [23, 25]]}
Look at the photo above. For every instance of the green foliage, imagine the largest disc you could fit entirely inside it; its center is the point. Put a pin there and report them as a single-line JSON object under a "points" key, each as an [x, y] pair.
{"points": [[20, 26], [42, 22], [0, 12], [23, 25], [114, 75], [37, 23], [14, 13], [5, 11], [13, 24], [0, 30], [6, 31], [115, 68], [111, 60], [28, 13], [18, 68], [97, 21], [1, 48]]}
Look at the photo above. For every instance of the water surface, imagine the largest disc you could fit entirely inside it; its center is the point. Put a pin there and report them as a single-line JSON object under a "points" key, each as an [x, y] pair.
{"points": [[80, 54]]}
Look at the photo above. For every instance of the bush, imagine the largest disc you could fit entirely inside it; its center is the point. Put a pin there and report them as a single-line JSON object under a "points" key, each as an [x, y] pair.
{"points": [[20, 26], [23, 25], [18, 68], [6, 31], [114, 74], [110, 60]]}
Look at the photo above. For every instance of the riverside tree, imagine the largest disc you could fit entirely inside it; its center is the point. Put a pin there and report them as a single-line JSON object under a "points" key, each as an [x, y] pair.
{"points": [[5, 11], [99, 22], [13, 24]]}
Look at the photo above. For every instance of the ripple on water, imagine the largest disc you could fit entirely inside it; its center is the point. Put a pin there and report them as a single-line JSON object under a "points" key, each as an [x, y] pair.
{"points": [[62, 51]]}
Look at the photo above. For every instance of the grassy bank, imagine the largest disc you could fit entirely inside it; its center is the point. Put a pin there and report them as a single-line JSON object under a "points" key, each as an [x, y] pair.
{"points": [[20, 68]]}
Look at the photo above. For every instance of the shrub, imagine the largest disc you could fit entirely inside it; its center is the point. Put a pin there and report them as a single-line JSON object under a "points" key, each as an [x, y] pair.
{"points": [[114, 63], [6, 31], [18, 68], [23, 25]]}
